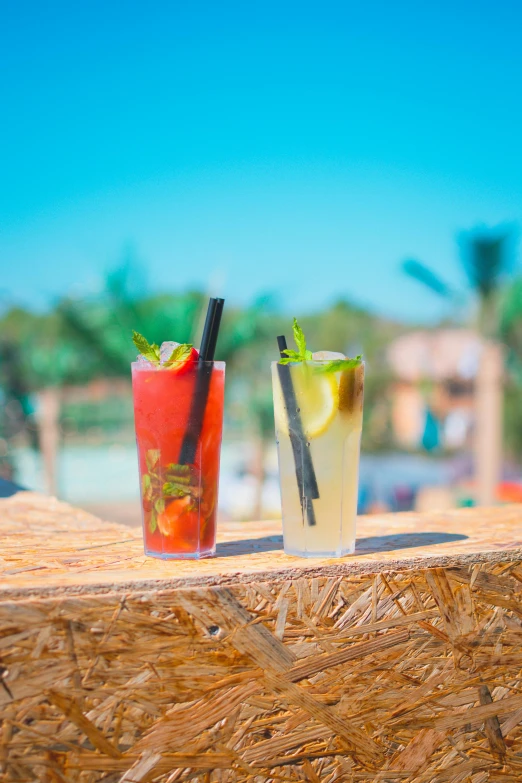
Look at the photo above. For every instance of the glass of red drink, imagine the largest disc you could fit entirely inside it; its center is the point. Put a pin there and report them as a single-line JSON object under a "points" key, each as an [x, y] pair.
{"points": [[178, 496]]}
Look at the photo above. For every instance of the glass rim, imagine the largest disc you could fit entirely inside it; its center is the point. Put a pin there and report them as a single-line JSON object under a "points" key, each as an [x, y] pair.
{"points": [[316, 361], [161, 368]]}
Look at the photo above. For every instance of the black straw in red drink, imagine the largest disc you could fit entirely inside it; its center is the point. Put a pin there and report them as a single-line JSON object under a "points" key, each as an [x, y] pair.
{"points": [[304, 468], [203, 374]]}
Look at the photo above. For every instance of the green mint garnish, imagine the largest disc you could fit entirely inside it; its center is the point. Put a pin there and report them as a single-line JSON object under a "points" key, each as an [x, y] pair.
{"points": [[179, 354], [174, 490], [339, 365], [302, 354], [163, 484], [181, 470], [152, 352], [300, 339], [146, 485], [152, 458]]}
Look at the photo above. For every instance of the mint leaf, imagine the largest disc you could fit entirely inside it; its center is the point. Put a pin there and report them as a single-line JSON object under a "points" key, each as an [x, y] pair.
{"points": [[181, 474], [302, 354], [146, 486], [150, 352], [171, 490], [293, 355], [159, 505], [181, 469], [300, 339], [153, 523], [152, 458], [180, 354], [177, 479], [339, 365]]}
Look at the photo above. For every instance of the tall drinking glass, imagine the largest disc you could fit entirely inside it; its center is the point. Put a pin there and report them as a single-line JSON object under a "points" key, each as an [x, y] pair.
{"points": [[318, 420], [178, 414]]}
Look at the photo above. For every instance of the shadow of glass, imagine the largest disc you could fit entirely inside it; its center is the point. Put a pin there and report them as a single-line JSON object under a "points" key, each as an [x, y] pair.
{"points": [[363, 546], [249, 546]]}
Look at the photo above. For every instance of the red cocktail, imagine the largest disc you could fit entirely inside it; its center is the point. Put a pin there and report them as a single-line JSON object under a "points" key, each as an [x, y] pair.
{"points": [[179, 494]]}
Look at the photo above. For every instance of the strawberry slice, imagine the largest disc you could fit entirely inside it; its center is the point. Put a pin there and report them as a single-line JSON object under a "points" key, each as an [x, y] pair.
{"points": [[183, 357], [181, 367], [180, 523]]}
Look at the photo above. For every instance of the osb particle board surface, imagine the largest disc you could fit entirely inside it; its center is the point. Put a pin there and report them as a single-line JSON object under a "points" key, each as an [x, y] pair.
{"points": [[47, 547]]}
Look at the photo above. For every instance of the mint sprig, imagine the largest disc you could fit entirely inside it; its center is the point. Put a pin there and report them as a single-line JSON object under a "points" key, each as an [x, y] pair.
{"points": [[152, 458], [300, 339], [152, 352], [302, 354], [148, 351], [180, 354], [163, 484]]}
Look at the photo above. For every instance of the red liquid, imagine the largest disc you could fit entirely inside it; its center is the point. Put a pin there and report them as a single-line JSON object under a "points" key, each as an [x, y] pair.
{"points": [[179, 502]]}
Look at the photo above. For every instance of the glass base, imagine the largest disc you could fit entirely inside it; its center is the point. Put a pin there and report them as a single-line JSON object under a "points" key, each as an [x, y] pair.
{"points": [[181, 555], [321, 555]]}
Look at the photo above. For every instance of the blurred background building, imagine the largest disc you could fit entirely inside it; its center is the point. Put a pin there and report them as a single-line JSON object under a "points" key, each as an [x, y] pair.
{"points": [[357, 166]]}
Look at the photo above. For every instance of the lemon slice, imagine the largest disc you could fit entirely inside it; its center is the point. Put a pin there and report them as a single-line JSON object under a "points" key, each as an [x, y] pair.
{"points": [[317, 397]]}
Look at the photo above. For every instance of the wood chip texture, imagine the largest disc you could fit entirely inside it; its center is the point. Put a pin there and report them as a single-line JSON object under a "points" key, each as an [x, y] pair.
{"points": [[410, 671]]}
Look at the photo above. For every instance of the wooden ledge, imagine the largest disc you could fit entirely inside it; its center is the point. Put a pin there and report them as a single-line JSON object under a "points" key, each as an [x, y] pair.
{"points": [[49, 547], [263, 667]]}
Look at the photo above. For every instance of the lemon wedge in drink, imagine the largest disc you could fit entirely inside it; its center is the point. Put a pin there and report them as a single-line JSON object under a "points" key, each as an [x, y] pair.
{"points": [[317, 396]]}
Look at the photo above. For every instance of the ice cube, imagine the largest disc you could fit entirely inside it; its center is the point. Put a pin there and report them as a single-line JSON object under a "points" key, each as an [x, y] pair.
{"points": [[327, 356], [143, 363], [166, 350]]}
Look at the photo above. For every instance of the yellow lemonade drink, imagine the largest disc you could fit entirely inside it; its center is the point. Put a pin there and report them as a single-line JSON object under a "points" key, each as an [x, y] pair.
{"points": [[318, 406]]}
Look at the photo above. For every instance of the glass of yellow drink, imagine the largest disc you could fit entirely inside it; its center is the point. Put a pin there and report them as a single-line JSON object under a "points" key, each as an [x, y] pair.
{"points": [[318, 407]]}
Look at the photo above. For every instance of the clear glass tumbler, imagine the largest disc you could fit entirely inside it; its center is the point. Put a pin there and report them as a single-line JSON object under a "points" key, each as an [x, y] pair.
{"points": [[318, 421], [178, 413]]}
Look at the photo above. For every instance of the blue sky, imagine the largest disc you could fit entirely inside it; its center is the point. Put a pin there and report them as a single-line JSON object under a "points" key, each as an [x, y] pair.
{"points": [[295, 148]]}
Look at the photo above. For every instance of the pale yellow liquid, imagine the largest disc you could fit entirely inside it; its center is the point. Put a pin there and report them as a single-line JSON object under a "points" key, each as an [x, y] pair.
{"points": [[335, 457]]}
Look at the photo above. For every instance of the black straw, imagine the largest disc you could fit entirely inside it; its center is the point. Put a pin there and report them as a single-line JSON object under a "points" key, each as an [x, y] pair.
{"points": [[304, 468], [189, 446], [211, 330]]}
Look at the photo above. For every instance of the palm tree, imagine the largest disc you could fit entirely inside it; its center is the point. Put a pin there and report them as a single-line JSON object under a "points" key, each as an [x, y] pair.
{"points": [[487, 256]]}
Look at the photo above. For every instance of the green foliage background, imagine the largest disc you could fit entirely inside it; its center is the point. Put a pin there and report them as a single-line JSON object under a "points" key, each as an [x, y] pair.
{"points": [[78, 340], [82, 339]]}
